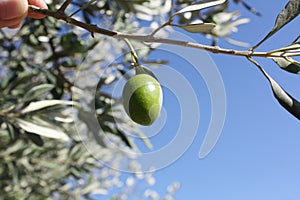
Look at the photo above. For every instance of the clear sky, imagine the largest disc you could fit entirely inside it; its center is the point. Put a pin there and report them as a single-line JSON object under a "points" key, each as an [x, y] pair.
{"points": [[258, 153]]}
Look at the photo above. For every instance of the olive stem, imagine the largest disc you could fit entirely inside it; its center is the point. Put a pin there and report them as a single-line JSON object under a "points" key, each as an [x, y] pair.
{"points": [[134, 56]]}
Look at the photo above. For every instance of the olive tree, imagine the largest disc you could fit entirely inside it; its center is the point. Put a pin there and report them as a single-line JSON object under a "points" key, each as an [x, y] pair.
{"points": [[45, 112]]}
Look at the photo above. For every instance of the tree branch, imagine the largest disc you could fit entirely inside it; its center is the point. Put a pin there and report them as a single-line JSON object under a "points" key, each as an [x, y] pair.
{"points": [[149, 38], [62, 16], [64, 6]]}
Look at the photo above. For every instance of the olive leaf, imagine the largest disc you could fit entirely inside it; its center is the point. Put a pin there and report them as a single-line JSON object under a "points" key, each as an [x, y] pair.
{"points": [[199, 6], [290, 50], [36, 139], [94, 130], [19, 81], [125, 138], [290, 11], [288, 64], [10, 78], [43, 130], [106, 127], [144, 138], [34, 106], [37, 91], [197, 28], [285, 99]]}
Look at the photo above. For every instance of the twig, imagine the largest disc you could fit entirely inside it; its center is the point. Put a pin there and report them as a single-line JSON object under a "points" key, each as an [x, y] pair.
{"points": [[161, 27], [62, 16], [213, 49], [149, 38], [82, 7], [298, 37], [255, 63], [64, 6]]}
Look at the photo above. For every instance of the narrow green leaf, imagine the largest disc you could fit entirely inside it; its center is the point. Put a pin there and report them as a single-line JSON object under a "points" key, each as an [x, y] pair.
{"points": [[199, 6], [74, 152], [17, 146], [145, 139], [124, 138], [290, 50], [285, 100], [20, 80], [92, 124], [36, 139], [42, 130], [197, 28], [11, 76], [290, 11], [90, 188], [288, 64], [38, 91], [34, 106], [99, 191]]}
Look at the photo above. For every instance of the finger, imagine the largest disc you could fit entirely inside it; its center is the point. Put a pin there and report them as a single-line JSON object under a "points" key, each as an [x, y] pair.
{"points": [[39, 4], [12, 12], [15, 25], [12, 23]]}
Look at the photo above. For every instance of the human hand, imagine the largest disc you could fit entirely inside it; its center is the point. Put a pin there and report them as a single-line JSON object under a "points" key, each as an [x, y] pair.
{"points": [[12, 12]]}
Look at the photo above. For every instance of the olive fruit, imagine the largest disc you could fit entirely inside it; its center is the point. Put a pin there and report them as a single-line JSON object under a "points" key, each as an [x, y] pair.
{"points": [[142, 99]]}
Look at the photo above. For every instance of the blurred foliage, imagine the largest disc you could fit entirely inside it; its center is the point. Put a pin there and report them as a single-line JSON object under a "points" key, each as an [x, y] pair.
{"points": [[47, 69]]}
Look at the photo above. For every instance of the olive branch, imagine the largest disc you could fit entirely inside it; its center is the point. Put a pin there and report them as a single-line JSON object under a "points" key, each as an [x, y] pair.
{"points": [[282, 56], [92, 28]]}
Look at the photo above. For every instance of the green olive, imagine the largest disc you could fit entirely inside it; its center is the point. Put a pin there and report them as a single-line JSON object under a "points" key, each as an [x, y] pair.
{"points": [[142, 99]]}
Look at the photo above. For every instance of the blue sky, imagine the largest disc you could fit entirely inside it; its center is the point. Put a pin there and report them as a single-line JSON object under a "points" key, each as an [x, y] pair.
{"points": [[257, 155]]}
